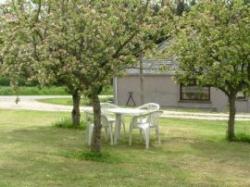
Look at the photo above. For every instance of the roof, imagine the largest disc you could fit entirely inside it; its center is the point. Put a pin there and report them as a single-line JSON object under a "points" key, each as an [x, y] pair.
{"points": [[154, 67]]}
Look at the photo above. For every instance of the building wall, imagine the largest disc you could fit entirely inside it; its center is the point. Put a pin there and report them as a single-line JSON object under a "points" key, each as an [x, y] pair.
{"points": [[164, 90]]}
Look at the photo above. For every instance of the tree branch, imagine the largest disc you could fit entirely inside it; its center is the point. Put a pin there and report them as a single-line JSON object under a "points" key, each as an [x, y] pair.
{"points": [[116, 54]]}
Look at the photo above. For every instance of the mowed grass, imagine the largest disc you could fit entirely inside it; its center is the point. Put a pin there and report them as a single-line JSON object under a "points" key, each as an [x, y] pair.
{"points": [[193, 153]]}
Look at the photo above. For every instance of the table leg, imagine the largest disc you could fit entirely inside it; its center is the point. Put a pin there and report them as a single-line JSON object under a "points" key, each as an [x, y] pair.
{"points": [[117, 128]]}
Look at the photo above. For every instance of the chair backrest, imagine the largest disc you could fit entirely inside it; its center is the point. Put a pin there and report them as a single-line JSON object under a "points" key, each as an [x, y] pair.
{"points": [[142, 118], [89, 116], [104, 120], [106, 106], [150, 106], [155, 117]]}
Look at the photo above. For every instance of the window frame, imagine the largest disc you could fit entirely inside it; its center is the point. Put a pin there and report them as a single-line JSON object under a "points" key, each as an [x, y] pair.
{"points": [[195, 100], [243, 98]]}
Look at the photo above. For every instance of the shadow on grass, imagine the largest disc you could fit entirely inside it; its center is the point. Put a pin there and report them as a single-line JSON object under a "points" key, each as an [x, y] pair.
{"points": [[66, 123], [69, 143], [242, 138], [222, 149], [104, 157], [43, 137]]}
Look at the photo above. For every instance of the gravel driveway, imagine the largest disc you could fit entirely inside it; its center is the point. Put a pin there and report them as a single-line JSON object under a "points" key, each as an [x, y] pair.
{"points": [[32, 103]]}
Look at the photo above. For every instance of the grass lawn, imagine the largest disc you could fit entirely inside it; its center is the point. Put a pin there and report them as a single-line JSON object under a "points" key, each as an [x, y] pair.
{"points": [[193, 153], [68, 101]]}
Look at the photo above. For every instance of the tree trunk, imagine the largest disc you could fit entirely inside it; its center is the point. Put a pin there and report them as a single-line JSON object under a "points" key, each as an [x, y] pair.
{"points": [[96, 139], [231, 121], [75, 114], [141, 82]]}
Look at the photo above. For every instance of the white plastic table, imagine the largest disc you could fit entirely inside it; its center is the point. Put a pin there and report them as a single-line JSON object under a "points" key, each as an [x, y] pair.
{"points": [[118, 113]]}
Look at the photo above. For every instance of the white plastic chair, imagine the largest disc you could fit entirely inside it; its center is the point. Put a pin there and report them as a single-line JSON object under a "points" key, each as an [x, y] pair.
{"points": [[150, 106], [144, 123], [106, 124], [111, 117], [108, 105]]}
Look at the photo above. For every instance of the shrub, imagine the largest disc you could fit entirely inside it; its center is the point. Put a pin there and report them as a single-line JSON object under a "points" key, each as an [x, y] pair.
{"points": [[24, 90], [4, 81], [107, 90]]}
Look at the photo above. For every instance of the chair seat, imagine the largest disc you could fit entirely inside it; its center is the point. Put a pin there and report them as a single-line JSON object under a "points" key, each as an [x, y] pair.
{"points": [[145, 125], [111, 119], [145, 122]]}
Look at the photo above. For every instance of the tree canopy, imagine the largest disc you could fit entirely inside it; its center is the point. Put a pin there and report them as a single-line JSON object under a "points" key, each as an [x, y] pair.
{"points": [[85, 42], [213, 49]]}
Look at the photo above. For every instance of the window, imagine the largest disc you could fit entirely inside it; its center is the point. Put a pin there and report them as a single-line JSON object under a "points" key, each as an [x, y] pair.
{"points": [[194, 93], [241, 96]]}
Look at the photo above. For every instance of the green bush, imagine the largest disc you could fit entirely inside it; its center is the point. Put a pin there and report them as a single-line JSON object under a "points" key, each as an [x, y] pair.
{"points": [[4, 81], [107, 90], [24, 90]]}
